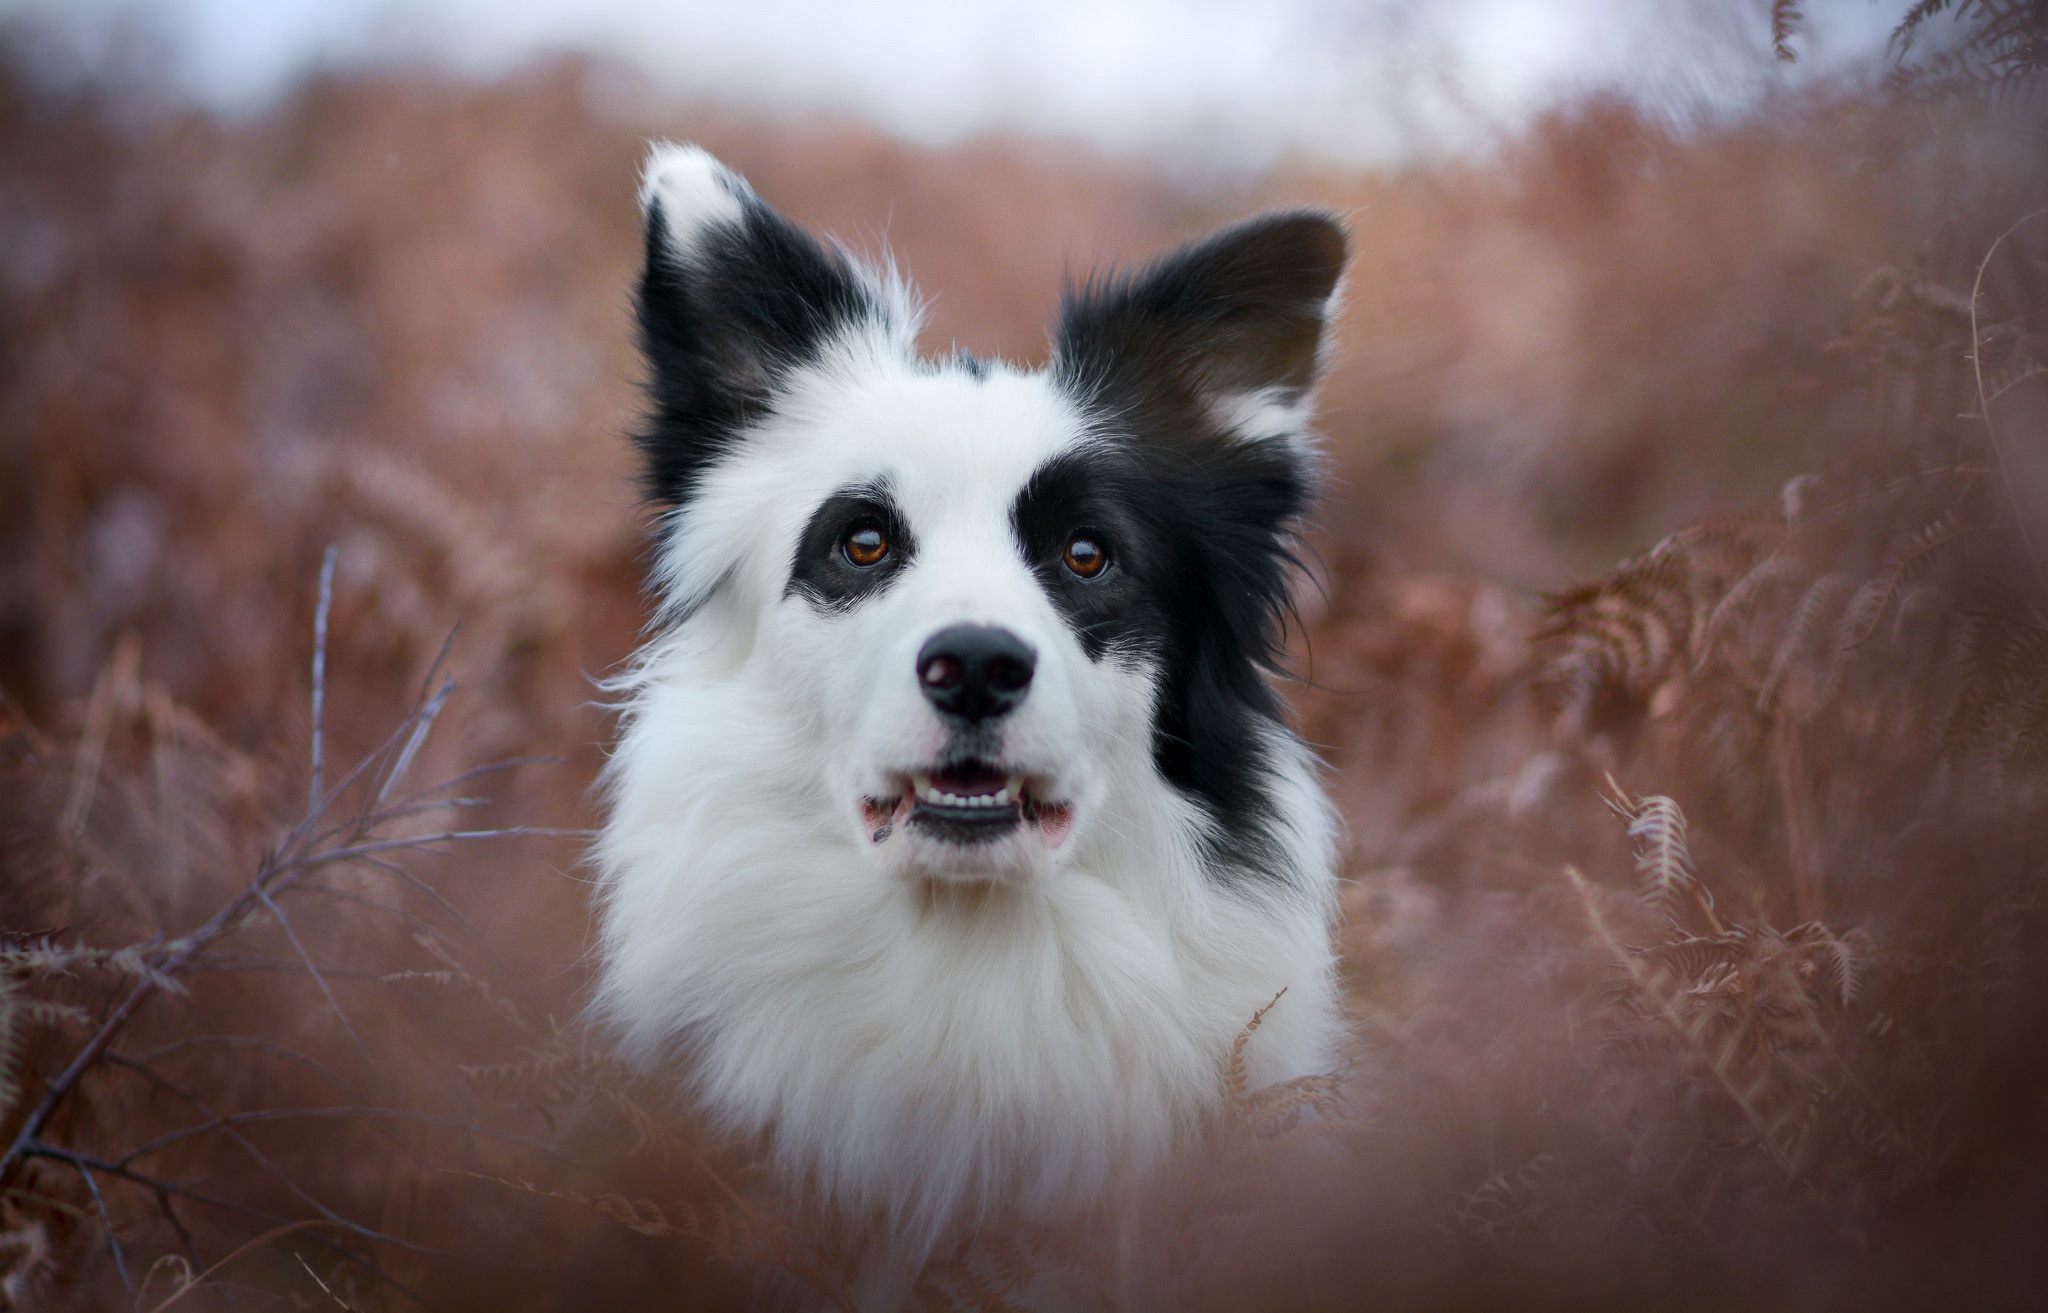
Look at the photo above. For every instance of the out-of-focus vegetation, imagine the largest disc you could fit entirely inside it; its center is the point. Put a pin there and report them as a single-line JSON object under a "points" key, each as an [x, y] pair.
{"points": [[1694, 929]]}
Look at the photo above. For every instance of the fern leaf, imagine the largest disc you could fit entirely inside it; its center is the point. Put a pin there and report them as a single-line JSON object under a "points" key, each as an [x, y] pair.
{"points": [[1663, 860], [1900, 563], [1749, 589], [10, 1047], [1819, 601], [1787, 20]]}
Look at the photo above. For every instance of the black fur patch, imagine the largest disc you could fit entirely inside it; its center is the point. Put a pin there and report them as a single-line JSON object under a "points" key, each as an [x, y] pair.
{"points": [[821, 570], [1197, 521], [721, 323]]}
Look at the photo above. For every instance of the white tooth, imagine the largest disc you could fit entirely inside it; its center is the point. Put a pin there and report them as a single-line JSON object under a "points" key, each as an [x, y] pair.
{"points": [[1014, 787], [952, 799], [921, 783], [1001, 797]]}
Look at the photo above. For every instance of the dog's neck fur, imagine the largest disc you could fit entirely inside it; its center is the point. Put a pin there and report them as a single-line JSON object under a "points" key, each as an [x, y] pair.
{"points": [[938, 1055]]}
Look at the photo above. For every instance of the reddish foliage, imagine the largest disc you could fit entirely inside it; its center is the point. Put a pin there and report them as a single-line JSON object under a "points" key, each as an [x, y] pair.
{"points": [[391, 317]]}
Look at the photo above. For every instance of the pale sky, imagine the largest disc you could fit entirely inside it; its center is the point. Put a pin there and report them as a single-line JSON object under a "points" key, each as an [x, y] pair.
{"points": [[1353, 81]]}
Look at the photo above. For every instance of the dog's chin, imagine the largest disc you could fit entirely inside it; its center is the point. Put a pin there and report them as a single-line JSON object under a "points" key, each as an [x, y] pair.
{"points": [[967, 821]]}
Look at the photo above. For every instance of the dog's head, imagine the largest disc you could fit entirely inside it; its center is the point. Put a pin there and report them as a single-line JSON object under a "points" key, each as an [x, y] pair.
{"points": [[994, 608]]}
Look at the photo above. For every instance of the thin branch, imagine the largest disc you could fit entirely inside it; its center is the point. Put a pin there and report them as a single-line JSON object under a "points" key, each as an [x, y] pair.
{"points": [[418, 925], [424, 724], [338, 1301], [255, 1116], [107, 1227], [37, 1149], [197, 1281], [426, 708], [425, 889], [165, 1206], [320, 668], [318, 979], [488, 768], [144, 1059], [446, 836]]}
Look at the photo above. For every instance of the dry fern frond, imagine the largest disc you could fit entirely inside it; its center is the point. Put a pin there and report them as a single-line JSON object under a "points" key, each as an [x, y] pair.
{"points": [[1820, 607], [1507, 1203], [1236, 1078], [28, 1259], [731, 1231], [965, 1285], [1664, 863]]}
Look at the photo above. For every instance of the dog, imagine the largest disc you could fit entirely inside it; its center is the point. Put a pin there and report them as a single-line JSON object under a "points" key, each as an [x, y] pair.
{"points": [[955, 833]]}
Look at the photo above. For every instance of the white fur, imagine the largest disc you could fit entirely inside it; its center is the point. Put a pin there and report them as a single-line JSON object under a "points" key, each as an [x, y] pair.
{"points": [[938, 1038], [1272, 414], [694, 188]]}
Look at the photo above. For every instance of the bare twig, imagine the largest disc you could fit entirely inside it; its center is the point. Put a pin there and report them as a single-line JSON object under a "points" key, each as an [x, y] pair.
{"points": [[338, 1301], [424, 723], [285, 923], [257, 1242], [99, 1203]]}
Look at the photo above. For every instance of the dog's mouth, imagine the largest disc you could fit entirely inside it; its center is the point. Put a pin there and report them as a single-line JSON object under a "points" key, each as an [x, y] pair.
{"points": [[967, 802]]}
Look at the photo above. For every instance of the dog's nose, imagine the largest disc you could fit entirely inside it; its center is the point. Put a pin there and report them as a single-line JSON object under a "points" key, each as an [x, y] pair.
{"points": [[975, 672]]}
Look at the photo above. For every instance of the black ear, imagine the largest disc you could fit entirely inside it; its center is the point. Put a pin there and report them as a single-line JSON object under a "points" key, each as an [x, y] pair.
{"points": [[1223, 333], [1196, 368], [733, 297]]}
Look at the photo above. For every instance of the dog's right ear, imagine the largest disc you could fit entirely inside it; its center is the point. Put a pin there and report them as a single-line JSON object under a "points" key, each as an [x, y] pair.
{"points": [[733, 296]]}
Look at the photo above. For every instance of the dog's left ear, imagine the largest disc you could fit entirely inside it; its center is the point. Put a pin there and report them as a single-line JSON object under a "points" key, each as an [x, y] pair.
{"points": [[1227, 330]]}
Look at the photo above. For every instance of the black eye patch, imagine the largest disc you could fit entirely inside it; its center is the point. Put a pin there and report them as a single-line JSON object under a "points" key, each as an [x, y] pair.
{"points": [[855, 543], [1085, 497]]}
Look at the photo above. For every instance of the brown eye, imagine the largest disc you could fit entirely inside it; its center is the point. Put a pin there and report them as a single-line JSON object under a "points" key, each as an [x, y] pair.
{"points": [[1084, 556], [866, 546]]}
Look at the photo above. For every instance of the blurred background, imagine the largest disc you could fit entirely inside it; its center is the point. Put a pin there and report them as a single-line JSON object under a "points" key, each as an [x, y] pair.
{"points": [[1684, 427]]}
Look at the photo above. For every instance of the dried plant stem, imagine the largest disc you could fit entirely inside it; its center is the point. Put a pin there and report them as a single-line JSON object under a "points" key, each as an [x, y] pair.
{"points": [[2019, 510], [247, 1246], [320, 668], [310, 846], [115, 685], [1652, 988], [1795, 791]]}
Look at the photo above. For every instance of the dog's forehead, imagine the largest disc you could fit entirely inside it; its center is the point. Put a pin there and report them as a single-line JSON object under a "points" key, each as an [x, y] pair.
{"points": [[943, 439]]}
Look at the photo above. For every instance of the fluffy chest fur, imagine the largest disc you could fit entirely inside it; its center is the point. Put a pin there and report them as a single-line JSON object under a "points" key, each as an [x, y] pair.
{"points": [[955, 832]]}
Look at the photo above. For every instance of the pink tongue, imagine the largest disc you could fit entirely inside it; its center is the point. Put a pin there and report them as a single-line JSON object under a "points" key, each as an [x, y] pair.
{"points": [[968, 783]]}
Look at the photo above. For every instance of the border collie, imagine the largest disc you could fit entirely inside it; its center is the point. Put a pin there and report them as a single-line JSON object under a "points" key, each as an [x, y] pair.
{"points": [[955, 832]]}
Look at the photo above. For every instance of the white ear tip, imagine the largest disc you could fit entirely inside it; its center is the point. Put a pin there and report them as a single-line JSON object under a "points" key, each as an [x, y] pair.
{"points": [[694, 189]]}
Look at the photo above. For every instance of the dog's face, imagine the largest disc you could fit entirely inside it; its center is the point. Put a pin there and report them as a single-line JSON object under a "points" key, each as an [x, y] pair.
{"points": [[992, 609]]}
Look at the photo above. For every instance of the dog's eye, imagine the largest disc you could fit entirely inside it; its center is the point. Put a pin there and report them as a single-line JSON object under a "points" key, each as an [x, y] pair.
{"points": [[1084, 556], [866, 545]]}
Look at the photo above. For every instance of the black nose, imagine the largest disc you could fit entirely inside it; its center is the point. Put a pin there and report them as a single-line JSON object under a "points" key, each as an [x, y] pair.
{"points": [[975, 672]]}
